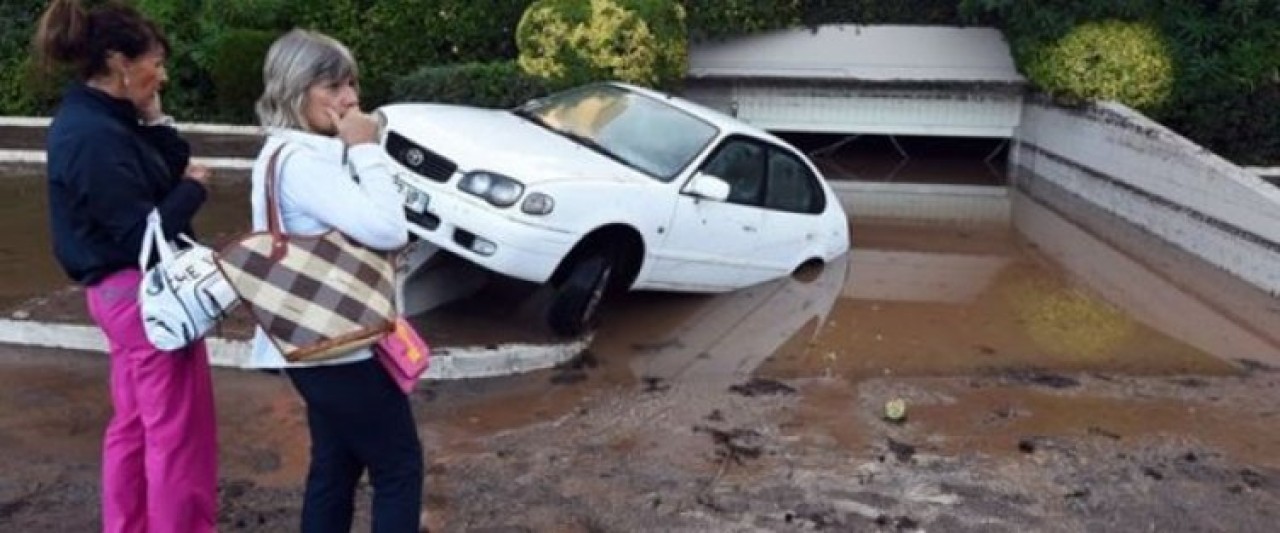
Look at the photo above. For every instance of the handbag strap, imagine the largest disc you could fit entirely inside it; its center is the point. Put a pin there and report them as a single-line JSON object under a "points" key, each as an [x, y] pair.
{"points": [[275, 225], [153, 240]]}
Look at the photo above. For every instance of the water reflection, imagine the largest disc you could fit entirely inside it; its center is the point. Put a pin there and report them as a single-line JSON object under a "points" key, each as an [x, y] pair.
{"points": [[1060, 298], [729, 335]]}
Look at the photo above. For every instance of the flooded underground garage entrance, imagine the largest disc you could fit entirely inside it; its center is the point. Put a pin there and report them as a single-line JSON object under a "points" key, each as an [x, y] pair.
{"points": [[1036, 290]]}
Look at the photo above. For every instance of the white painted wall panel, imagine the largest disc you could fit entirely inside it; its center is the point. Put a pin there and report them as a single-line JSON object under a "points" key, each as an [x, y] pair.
{"points": [[941, 204], [799, 106], [1126, 146]]}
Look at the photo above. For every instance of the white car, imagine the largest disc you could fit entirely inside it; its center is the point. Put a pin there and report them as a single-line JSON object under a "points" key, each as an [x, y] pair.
{"points": [[611, 187]]}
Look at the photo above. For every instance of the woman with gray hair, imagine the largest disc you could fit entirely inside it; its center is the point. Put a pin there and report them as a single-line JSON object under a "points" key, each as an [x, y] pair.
{"points": [[331, 174]]}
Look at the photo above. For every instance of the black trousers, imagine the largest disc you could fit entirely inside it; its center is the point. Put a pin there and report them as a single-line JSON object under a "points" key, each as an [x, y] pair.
{"points": [[359, 420]]}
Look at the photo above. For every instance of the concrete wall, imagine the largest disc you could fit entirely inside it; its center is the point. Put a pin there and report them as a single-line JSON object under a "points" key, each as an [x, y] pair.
{"points": [[924, 203], [1149, 176]]}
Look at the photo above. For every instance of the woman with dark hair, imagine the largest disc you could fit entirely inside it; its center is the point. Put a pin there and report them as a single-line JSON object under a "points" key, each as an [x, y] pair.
{"points": [[113, 156]]}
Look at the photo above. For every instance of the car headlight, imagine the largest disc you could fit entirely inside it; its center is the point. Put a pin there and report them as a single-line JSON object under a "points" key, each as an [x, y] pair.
{"points": [[538, 204], [495, 188]]}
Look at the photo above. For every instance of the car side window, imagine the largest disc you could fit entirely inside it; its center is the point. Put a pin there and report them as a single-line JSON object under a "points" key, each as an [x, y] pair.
{"points": [[792, 187], [741, 163]]}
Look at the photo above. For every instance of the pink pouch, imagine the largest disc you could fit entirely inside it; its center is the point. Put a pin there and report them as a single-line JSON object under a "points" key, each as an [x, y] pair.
{"points": [[404, 354]]}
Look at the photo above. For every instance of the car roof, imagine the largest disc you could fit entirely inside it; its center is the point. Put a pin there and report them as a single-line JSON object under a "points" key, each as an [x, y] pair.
{"points": [[724, 122]]}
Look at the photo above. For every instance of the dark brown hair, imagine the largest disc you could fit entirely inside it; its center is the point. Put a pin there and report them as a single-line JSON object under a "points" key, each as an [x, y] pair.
{"points": [[67, 34]]}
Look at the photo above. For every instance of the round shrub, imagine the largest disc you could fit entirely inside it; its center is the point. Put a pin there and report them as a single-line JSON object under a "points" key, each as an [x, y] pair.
{"points": [[570, 42], [1109, 60]]}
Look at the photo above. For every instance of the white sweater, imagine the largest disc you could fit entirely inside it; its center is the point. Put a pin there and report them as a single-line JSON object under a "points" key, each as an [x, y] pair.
{"points": [[316, 194]]}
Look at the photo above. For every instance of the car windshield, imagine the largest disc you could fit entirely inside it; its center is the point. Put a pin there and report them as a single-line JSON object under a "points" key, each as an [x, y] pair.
{"points": [[641, 132]]}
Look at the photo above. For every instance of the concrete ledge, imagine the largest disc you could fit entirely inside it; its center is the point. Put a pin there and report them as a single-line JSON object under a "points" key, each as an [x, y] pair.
{"points": [[185, 127], [446, 362], [37, 157]]}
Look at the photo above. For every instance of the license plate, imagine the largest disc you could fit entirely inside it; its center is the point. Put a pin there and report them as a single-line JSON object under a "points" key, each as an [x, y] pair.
{"points": [[414, 200]]}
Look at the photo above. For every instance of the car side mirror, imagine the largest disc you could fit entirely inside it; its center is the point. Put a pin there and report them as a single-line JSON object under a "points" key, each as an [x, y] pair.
{"points": [[708, 187]]}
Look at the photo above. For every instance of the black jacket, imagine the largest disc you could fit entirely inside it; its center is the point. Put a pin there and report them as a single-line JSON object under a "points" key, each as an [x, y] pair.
{"points": [[106, 172]]}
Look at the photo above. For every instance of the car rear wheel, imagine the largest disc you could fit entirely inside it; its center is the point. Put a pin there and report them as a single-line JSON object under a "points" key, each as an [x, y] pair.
{"points": [[576, 304]]}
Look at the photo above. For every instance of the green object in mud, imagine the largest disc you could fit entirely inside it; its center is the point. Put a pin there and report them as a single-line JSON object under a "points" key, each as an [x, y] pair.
{"points": [[895, 410]]}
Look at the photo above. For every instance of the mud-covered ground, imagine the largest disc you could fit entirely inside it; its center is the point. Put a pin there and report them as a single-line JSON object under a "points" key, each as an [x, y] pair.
{"points": [[576, 450]]}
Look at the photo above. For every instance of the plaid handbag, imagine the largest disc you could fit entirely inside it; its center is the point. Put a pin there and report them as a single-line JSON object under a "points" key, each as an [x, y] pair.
{"points": [[316, 297]]}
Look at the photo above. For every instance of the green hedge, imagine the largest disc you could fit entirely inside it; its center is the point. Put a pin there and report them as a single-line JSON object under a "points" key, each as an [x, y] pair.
{"points": [[569, 42], [236, 71], [726, 18], [391, 38], [1224, 56], [1109, 60], [818, 12], [497, 85]]}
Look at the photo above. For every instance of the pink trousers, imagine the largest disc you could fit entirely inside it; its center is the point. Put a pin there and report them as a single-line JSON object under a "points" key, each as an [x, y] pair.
{"points": [[159, 464]]}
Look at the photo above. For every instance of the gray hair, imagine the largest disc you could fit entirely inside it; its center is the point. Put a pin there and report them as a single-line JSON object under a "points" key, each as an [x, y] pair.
{"points": [[297, 61]]}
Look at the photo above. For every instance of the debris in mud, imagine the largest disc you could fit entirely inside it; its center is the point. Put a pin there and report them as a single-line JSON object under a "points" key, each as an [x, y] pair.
{"points": [[654, 384], [895, 410], [1252, 479], [645, 347], [569, 377], [760, 387], [1035, 376], [1152, 473], [1095, 430], [1028, 444], [901, 523], [1252, 366], [575, 369], [985, 350], [814, 515], [735, 444], [1191, 383], [1078, 494], [901, 450], [716, 416]]}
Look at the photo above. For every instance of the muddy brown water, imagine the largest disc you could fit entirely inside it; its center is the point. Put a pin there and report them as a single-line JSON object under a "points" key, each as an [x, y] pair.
{"points": [[999, 341]]}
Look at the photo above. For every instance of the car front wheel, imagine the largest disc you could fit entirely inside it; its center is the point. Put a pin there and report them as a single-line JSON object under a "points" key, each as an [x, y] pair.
{"points": [[576, 304]]}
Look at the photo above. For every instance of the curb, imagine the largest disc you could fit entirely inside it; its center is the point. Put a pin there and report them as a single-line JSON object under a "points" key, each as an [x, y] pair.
{"points": [[446, 362], [185, 127]]}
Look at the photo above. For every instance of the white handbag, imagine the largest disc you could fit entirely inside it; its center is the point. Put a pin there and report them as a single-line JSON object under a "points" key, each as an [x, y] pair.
{"points": [[184, 295]]}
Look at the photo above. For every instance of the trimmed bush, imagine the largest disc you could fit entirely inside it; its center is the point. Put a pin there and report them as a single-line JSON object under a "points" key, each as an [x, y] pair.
{"points": [[236, 71], [570, 42], [392, 38], [496, 85], [1110, 60], [18, 74], [819, 12]]}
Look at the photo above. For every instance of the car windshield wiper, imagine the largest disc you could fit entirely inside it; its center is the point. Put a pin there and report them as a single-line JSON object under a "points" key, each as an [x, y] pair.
{"points": [[599, 148], [531, 117], [576, 137]]}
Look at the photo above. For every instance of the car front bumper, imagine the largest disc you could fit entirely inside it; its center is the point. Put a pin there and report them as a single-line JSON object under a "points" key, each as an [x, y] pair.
{"points": [[461, 224]]}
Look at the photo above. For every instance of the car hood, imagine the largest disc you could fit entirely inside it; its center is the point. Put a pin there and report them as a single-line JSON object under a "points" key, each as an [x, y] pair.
{"points": [[499, 141]]}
